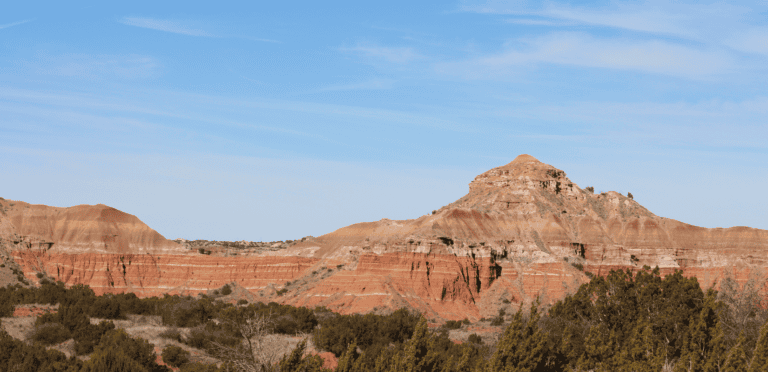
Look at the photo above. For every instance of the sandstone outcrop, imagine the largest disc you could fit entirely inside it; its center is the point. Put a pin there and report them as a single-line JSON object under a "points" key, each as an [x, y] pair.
{"points": [[523, 231]]}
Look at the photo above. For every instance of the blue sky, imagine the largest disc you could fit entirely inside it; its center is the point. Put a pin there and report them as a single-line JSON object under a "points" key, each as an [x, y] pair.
{"points": [[277, 120]]}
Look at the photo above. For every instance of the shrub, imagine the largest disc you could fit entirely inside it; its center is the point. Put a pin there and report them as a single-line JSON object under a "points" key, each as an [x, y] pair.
{"points": [[113, 361], [50, 333], [39, 275], [590, 189], [499, 320], [226, 290], [475, 339], [629, 195], [452, 324], [175, 356], [86, 338], [106, 307], [242, 302], [336, 333], [135, 353], [201, 337], [197, 338], [171, 334], [6, 308], [18, 356]]}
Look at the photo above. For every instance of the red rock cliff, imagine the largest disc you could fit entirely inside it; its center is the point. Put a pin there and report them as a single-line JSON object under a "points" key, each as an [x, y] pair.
{"points": [[520, 233]]}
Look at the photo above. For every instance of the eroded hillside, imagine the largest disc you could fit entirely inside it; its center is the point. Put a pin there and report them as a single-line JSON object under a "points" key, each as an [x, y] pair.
{"points": [[523, 231]]}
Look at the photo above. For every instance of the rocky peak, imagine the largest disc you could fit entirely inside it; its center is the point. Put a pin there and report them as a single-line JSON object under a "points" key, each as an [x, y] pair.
{"points": [[518, 186], [525, 171]]}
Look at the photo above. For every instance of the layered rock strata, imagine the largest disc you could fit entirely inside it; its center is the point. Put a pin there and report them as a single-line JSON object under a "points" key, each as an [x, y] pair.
{"points": [[523, 231]]}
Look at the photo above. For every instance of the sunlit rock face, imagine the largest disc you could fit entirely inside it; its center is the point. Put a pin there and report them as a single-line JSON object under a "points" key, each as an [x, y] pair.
{"points": [[524, 231]]}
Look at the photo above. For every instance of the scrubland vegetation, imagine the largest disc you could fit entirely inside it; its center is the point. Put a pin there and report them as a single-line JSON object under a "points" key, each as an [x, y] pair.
{"points": [[622, 322]]}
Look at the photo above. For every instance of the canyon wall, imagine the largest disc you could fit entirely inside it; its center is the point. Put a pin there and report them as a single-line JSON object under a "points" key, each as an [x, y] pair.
{"points": [[523, 231]]}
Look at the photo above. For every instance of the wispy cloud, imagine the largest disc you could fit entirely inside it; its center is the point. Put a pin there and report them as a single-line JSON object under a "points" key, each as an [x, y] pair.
{"points": [[539, 22], [174, 26], [95, 66], [579, 49], [262, 40], [721, 24], [400, 55], [687, 20], [753, 40], [373, 84], [15, 23]]}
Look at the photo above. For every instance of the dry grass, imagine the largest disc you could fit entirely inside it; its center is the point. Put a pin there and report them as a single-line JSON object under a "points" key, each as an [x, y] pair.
{"points": [[19, 328]]}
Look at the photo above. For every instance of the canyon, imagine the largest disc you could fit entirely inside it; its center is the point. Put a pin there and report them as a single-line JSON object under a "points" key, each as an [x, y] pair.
{"points": [[524, 231]]}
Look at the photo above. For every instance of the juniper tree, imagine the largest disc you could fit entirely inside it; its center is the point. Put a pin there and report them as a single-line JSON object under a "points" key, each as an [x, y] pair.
{"points": [[737, 358], [759, 360], [698, 344], [523, 345]]}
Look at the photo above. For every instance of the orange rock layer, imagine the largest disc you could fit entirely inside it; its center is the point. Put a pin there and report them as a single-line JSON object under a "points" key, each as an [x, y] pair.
{"points": [[153, 275]]}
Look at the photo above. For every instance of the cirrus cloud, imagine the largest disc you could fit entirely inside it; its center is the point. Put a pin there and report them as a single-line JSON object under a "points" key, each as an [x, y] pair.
{"points": [[583, 50], [166, 25]]}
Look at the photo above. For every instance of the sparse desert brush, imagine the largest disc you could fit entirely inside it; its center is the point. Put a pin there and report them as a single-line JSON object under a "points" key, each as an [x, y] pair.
{"points": [[474, 338], [175, 356], [50, 333], [452, 324], [171, 333]]}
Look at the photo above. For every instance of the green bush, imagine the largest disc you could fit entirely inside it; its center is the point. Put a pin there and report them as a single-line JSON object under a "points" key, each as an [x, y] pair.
{"points": [[106, 307], [201, 337], [6, 308], [50, 333], [18, 356], [475, 339], [116, 345], [86, 338], [226, 290], [452, 324], [73, 317], [112, 360], [198, 338], [172, 334], [175, 356], [336, 333]]}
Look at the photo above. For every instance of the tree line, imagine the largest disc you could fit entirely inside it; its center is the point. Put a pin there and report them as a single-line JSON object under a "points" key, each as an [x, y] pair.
{"points": [[625, 321]]}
